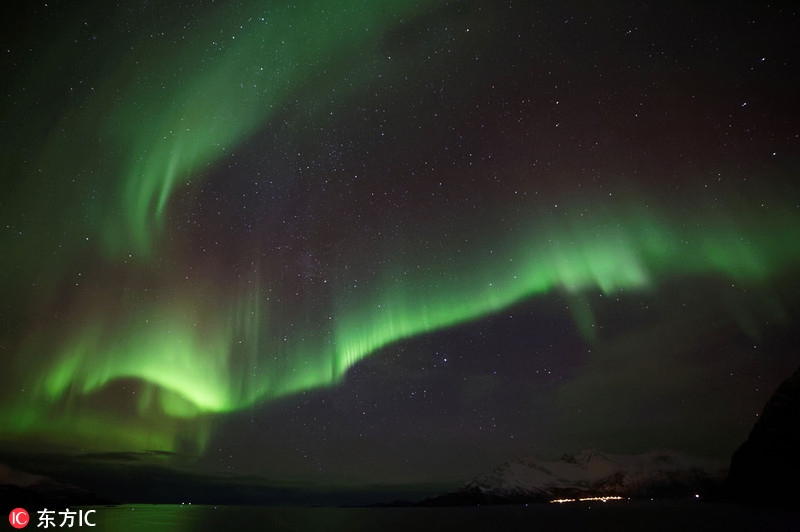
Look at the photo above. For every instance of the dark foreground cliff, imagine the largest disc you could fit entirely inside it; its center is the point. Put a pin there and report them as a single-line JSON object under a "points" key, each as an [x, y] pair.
{"points": [[766, 468]]}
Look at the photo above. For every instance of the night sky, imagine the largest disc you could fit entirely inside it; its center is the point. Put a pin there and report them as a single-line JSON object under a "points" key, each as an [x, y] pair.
{"points": [[394, 242]]}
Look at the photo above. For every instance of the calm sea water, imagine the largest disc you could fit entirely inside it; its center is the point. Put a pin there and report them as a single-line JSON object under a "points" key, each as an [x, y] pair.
{"points": [[665, 515]]}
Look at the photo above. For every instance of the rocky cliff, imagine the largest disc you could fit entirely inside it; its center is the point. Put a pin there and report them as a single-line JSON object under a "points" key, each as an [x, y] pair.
{"points": [[766, 468]]}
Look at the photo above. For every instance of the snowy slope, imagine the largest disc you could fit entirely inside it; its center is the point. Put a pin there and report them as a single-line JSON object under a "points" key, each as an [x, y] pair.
{"points": [[592, 472]]}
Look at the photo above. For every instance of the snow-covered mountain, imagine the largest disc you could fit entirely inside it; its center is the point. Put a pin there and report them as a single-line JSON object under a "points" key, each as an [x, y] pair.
{"points": [[590, 473]]}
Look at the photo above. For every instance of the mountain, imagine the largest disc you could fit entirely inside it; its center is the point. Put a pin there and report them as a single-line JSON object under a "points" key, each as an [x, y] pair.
{"points": [[590, 473], [766, 468], [18, 488]]}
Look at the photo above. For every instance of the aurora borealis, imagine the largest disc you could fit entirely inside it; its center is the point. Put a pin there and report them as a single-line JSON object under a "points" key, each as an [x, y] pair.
{"points": [[246, 232]]}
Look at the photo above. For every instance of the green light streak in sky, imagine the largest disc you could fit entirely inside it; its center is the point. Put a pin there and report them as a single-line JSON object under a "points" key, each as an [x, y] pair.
{"points": [[238, 357], [159, 110], [604, 254], [200, 102]]}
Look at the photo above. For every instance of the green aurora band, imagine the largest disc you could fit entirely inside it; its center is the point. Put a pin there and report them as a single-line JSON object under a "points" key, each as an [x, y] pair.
{"points": [[171, 104], [236, 357], [214, 100], [185, 355]]}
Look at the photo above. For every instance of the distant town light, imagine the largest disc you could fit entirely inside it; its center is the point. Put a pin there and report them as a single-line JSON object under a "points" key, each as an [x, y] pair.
{"points": [[603, 499]]}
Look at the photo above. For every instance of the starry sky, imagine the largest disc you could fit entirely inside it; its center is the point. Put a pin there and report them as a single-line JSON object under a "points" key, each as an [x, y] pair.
{"points": [[389, 242]]}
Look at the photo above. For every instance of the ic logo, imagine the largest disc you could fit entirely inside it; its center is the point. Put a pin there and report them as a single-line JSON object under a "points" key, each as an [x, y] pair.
{"points": [[18, 518]]}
